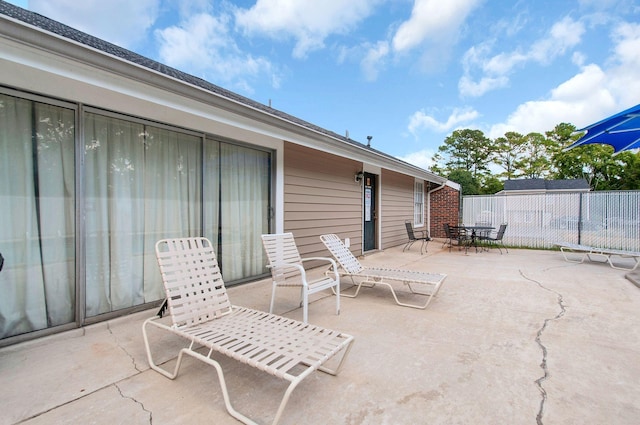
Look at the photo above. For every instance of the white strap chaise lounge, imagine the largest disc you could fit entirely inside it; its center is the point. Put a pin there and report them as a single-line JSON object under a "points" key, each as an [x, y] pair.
{"points": [[600, 255], [202, 314], [287, 269], [428, 283]]}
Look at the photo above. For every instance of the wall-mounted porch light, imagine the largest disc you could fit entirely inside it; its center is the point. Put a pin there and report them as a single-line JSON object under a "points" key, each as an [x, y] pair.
{"points": [[359, 176]]}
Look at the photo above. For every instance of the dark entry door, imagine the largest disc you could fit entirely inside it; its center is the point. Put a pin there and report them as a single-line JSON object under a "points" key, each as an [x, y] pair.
{"points": [[370, 213]]}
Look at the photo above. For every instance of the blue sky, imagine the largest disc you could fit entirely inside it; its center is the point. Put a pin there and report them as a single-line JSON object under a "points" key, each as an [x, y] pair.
{"points": [[406, 72]]}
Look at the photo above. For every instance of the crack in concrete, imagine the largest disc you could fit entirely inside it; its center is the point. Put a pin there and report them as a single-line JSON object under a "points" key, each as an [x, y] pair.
{"points": [[538, 340], [137, 402], [133, 360]]}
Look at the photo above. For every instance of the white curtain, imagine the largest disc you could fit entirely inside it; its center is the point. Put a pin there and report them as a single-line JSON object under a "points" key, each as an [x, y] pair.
{"points": [[142, 185], [37, 207], [172, 197], [244, 196]]}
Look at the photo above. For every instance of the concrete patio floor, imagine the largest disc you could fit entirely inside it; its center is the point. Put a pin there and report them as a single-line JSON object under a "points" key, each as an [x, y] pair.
{"points": [[519, 338]]}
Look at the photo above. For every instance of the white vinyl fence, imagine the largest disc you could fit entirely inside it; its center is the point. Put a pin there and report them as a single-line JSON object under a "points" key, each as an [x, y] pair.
{"points": [[603, 219]]}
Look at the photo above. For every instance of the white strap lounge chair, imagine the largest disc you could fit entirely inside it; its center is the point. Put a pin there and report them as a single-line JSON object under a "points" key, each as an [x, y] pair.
{"points": [[287, 269], [583, 252], [429, 283], [202, 314]]}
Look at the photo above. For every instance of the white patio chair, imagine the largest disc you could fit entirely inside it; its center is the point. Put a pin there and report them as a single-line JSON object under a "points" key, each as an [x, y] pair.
{"points": [[287, 269], [202, 314], [429, 283]]}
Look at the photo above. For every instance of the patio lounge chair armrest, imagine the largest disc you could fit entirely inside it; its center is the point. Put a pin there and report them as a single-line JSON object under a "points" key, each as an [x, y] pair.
{"points": [[287, 265], [324, 259], [334, 265]]}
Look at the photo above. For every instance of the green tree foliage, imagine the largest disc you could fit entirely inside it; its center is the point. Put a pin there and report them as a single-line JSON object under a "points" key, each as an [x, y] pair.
{"points": [[594, 162], [491, 185], [468, 157], [536, 161], [507, 152], [469, 184], [630, 177], [465, 150]]}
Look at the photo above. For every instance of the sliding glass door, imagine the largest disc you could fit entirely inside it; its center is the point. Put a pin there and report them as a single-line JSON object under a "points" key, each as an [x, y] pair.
{"points": [[142, 184], [78, 240], [37, 211], [237, 205]]}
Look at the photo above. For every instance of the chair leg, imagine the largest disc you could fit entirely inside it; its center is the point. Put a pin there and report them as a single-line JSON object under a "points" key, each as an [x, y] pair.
{"points": [[338, 297], [407, 245], [305, 306], [273, 297]]}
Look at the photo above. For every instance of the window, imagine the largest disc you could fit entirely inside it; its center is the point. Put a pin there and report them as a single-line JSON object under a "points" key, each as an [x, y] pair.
{"points": [[418, 204]]}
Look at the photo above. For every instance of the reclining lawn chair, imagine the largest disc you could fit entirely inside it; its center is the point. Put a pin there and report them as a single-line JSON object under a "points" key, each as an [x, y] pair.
{"points": [[370, 277], [202, 314], [287, 269]]}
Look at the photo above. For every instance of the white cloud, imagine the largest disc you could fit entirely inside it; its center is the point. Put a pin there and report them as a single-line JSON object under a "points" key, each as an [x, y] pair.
{"points": [[589, 96], [374, 60], [203, 46], [579, 100], [477, 88], [309, 22], [494, 70], [432, 20], [122, 22], [563, 35], [624, 75], [420, 120], [422, 159]]}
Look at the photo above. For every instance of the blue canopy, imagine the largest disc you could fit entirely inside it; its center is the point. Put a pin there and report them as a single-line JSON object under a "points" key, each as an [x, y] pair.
{"points": [[622, 131]]}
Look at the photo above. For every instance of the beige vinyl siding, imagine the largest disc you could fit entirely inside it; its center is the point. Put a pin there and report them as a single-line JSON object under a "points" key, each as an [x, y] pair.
{"points": [[321, 196], [396, 207]]}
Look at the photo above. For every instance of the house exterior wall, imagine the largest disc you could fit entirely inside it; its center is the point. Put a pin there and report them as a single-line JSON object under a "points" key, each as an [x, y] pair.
{"points": [[445, 208], [312, 189], [321, 196], [396, 207]]}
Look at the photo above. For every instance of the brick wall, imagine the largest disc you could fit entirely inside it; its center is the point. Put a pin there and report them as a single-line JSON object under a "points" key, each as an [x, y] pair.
{"points": [[445, 208]]}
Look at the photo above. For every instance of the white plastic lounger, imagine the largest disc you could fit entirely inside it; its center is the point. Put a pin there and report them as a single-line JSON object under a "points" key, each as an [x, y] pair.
{"points": [[202, 314], [429, 283], [601, 255]]}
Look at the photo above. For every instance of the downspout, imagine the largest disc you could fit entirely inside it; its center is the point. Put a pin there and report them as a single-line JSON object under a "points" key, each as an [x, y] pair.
{"points": [[429, 209]]}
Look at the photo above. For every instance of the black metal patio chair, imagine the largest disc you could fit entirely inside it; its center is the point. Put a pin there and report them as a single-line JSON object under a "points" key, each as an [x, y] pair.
{"points": [[497, 239], [456, 235], [411, 234]]}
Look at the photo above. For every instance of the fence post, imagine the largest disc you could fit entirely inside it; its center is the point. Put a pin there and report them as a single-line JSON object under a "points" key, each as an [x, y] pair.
{"points": [[580, 219]]}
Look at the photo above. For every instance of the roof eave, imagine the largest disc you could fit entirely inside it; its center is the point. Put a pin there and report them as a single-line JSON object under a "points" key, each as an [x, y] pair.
{"points": [[35, 37]]}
